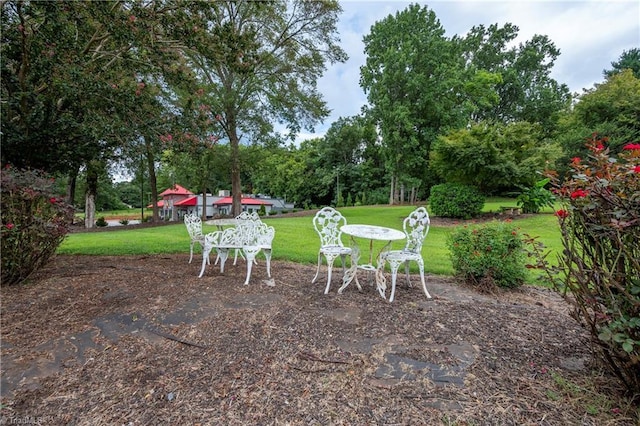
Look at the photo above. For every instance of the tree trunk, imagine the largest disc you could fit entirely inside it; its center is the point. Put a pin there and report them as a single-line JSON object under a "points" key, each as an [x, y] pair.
{"points": [[153, 184], [392, 190], [71, 187], [204, 202], [89, 210], [90, 195], [236, 187], [401, 196]]}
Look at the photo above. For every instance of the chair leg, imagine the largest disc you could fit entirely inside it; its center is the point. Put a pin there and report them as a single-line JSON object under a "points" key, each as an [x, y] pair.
{"points": [[424, 285], [208, 255], [267, 255], [318, 268], [250, 254], [205, 259], [191, 252], [394, 275], [224, 254], [330, 261]]}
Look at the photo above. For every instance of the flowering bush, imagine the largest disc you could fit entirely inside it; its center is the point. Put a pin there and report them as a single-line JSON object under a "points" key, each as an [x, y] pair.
{"points": [[599, 268], [488, 255], [34, 223]]}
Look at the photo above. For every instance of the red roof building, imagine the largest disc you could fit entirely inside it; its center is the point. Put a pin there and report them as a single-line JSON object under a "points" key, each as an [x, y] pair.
{"points": [[191, 201], [245, 201], [176, 190], [178, 201]]}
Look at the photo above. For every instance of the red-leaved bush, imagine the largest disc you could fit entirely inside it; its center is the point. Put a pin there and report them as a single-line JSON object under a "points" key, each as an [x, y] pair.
{"points": [[34, 222], [598, 271]]}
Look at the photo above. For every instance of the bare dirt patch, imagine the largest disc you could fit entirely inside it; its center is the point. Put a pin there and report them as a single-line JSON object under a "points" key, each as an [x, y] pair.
{"points": [[141, 340]]}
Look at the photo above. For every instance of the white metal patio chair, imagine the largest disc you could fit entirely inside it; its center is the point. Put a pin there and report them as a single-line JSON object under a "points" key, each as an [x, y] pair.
{"points": [[194, 228], [327, 223], [416, 228]]}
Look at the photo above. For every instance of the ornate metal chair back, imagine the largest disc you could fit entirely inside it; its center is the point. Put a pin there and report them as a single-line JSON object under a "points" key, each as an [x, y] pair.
{"points": [[416, 228], [193, 223], [327, 223]]}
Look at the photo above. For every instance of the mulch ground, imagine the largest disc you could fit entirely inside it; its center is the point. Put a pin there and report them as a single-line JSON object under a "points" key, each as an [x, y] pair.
{"points": [[143, 341]]}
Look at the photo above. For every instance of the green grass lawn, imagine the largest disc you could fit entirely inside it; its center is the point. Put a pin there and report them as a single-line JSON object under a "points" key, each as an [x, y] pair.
{"points": [[297, 241]]}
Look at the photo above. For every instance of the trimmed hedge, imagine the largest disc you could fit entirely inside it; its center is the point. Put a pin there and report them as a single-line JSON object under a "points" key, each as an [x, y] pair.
{"points": [[456, 201]]}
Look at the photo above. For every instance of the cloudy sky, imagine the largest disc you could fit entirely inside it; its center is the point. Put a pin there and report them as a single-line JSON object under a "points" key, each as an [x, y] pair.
{"points": [[589, 34]]}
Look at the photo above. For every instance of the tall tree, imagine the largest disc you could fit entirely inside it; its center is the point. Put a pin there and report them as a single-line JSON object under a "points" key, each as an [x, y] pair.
{"points": [[72, 80], [525, 90], [611, 109], [630, 59], [412, 77], [259, 63], [345, 157]]}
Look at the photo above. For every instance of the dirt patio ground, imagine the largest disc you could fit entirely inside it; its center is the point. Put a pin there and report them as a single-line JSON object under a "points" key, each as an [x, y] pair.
{"points": [[143, 341]]}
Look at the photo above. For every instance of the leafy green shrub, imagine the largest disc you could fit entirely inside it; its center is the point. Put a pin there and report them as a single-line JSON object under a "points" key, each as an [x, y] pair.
{"points": [[101, 222], [488, 255], [598, 271], [455, 200], [533, 199], [124, 222], [34, 223]]}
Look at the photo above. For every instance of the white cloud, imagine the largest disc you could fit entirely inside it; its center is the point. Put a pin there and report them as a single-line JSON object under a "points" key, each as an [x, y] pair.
{"points": [[589, 34]]}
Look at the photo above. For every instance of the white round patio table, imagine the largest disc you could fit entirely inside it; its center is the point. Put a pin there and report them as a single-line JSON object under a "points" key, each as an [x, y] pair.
{"points": [[371, 233]]}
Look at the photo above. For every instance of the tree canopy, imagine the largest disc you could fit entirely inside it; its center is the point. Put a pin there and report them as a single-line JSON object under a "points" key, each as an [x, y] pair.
{"points": [[258, 64], [420, 84]]}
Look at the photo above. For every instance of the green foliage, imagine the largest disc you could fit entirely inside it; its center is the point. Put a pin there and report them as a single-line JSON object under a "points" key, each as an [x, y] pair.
{"points": [[410, 70], [489, 255], [525, 90], [496, 158], [534, 198], [34, 223], [610, 109], [101, 222], [262, 211], [455, 200], [630, 59], [599, 268], [349, 201]]}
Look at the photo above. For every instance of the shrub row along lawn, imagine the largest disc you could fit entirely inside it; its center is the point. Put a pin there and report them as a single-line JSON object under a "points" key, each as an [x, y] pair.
{"points": [[297, 241]]}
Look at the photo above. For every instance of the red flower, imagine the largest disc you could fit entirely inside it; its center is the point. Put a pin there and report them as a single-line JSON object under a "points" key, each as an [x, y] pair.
{"points": [[9, 225], [562, 214], [579, 193], [632, 146], [575, 160], [52, 200], [636, 169], [599, 146]]}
